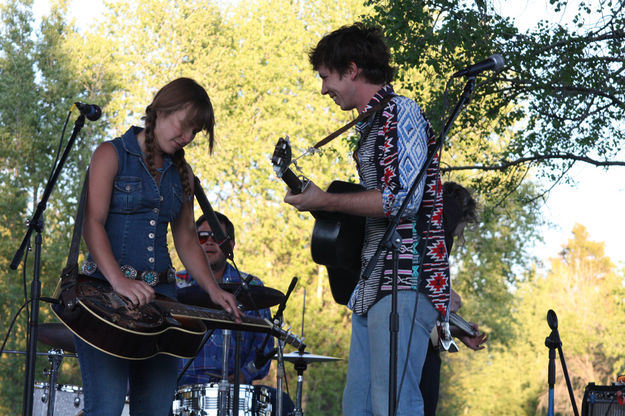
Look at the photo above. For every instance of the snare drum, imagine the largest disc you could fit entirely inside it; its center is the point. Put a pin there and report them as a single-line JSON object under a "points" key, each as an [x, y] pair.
{"points": [[203, 399], [68, 400]]}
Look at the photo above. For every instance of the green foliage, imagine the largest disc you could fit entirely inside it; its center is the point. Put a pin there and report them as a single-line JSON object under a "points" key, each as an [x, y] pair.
{"points": [[585, 291], [252, 58], [559, 87], [38, 84]]}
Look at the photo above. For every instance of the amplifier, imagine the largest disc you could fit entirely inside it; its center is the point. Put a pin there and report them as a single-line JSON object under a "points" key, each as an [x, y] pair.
{"points": [[603, 400]]}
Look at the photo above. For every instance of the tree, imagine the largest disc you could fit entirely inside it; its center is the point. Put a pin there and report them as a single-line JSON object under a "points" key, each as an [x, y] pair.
{"points": [[252, 58], [38, 84], [560, 84], [584, 289]]}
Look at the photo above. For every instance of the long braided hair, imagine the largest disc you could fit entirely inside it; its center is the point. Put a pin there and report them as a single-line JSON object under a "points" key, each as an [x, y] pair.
{"points": [[179, 94]]}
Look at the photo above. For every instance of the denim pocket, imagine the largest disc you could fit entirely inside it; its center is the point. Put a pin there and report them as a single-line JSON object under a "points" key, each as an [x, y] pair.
{"points": [[126, 196], [177, 200]]}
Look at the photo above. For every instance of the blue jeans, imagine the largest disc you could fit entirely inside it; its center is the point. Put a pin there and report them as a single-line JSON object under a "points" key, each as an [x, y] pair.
{"points": [[366, 390], [105, 382]]}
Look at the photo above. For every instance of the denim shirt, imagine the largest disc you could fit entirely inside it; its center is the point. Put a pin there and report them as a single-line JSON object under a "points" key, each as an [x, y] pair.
{"points": [[140, 209]]}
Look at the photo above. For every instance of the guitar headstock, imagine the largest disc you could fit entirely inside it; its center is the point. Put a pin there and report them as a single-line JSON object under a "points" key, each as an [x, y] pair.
{"points": [[281, 158]]}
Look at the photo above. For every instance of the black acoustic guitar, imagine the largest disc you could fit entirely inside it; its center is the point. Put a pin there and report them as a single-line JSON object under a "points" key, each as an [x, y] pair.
{"points": [[93, 311], [336, 238]]}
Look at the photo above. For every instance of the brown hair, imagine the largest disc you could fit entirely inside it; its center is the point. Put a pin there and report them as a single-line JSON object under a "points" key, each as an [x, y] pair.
{"points": [[360, 44], [176, 95], [458, 206]]}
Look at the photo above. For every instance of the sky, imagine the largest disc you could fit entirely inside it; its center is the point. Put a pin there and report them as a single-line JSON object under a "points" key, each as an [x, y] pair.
{"points": [[596, 199]]}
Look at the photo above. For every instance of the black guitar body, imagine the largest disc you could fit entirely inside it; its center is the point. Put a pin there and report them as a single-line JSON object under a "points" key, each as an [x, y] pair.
{"points": [[337, 242], [103, 319], [337, 238]]}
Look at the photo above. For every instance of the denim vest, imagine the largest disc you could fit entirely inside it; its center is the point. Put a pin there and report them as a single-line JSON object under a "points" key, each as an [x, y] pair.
{"points": [[140, 209]]}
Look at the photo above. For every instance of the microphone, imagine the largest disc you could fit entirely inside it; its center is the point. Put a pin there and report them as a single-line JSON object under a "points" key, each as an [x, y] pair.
{"points": [[260, 361], [261, 358], [282, 306], [494, 62], [91, 111]]}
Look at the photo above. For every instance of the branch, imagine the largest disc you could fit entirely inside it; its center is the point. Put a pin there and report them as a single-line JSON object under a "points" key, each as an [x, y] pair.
{"points": [[617, 34], [565, 156], [587, 91]]}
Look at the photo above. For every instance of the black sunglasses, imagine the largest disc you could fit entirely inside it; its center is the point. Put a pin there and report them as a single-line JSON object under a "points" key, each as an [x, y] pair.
{"points": [[203, 236]]}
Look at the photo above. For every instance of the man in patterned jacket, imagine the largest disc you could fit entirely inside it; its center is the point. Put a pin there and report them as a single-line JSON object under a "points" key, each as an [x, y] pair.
{"points": [[353, 63]]}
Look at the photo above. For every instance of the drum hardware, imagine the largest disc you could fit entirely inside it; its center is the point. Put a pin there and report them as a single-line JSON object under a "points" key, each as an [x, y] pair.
{"points": [[202, 399], [61, 399], [300, 361], [259, 297], [224, 385], [60, 338], [55, 362]]}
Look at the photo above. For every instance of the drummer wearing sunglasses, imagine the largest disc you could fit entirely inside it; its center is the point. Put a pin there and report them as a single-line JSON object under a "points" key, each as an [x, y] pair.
{"points": [[207, 364], [206, 367]]}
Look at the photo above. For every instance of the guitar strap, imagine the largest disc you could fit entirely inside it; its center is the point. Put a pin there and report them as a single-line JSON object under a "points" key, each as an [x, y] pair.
{"points": [[70, 272], [349, 125]]}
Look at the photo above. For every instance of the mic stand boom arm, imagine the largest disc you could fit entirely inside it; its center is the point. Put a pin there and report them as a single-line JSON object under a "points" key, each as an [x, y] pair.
{"points": [[390, 241]]}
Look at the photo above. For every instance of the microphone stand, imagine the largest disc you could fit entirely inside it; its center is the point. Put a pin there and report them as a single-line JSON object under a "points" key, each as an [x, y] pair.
{"points": [[277, 321], [554, 342], [390, 242], [221, 238], [36, 224]]}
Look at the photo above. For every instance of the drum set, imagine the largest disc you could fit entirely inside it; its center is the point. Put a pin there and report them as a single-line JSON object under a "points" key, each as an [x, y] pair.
{"points": [[221, 398]]}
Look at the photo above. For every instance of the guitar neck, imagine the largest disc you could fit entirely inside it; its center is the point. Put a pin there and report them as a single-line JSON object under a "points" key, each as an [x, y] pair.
{"points": [[215, 318], [461, 324], [293, 182]]}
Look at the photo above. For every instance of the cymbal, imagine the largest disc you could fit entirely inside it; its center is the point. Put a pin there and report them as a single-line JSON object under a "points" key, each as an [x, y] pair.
{"points": [[56, 335], [255, 297], [306, 356]]}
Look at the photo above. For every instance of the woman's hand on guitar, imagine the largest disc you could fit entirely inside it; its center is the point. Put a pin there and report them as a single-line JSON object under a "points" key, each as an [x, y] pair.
{"points": [[227, 301], [313, 198], [137, 291]]}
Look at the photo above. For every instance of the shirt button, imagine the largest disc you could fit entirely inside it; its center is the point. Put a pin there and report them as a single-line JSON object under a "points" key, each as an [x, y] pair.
{"points": [[155, 210], [151, 235], [128, 187], [151, 259], [161, 197], [150, 248], [152, 222]]}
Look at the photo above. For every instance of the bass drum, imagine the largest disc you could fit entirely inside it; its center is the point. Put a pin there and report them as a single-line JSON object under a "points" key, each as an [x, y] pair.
{"points": [[203, 399]]}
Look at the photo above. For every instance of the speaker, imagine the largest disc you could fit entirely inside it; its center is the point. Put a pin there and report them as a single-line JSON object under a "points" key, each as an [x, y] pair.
{"points": [[603, 400]]}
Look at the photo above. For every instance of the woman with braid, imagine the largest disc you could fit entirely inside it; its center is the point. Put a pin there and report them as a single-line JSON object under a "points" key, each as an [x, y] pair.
{"points": [[139, 184]]}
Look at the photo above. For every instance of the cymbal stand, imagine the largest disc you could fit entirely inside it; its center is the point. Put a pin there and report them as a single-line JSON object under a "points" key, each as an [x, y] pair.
{"points": [[237, 373], [55, 357], [300, 366], [224, 384], [279, 377]]}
